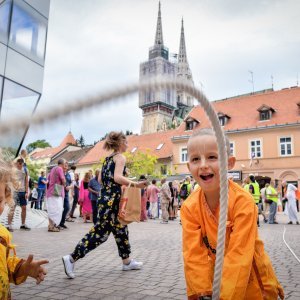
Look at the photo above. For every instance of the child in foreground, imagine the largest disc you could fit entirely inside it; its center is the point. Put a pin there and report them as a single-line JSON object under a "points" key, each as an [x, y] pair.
{"points": [[12, 268], [247, 270]]}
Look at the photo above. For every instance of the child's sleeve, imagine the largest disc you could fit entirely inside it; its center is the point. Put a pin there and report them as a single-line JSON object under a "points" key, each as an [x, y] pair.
{"points": [[198, 266], [240, 251], [13, 265]]}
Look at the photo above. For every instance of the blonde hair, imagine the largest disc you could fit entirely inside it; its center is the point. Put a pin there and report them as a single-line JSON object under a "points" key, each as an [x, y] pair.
{"points": [[7, 177], [113, 140], [209, 131]]}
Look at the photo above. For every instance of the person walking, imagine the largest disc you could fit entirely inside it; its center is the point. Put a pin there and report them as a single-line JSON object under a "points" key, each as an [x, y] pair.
{"points": [[94, 188], [266, 202], [55, 195], [112, 178], [152, 194], [290, 194], [165, 198], [20, 195]]}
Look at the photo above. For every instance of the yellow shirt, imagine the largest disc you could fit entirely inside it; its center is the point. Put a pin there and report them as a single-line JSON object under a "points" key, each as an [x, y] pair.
{"points": [[247, 269], [9, 265]]}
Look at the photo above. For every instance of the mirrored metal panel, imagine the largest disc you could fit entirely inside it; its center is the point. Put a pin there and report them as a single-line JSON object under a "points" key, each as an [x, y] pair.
{"points": [[28, 31], [5, 7], [17, 101]]}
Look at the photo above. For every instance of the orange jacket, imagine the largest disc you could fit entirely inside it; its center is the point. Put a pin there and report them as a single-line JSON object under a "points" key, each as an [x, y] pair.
{"points": [[247, 269]]}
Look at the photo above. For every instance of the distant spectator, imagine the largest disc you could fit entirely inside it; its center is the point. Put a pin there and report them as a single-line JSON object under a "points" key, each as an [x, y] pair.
{"points": [[94, 188], [165, 200], [20, 195], [144, 199], [290, 194], [54, 202], [34, 196], [66, 202], [75, 195], [84, 198], [42, 184], [152, 194]]}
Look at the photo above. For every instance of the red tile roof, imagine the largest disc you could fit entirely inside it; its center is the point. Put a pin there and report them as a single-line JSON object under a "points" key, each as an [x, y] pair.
{"points": [[49, 152], [243, 110], [143, 143]]}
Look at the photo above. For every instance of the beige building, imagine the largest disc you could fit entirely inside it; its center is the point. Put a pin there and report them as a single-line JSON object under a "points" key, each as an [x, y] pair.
{"points": [[263, 129]]}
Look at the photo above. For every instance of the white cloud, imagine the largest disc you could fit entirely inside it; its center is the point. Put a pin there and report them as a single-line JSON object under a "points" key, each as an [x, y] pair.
{"points": [[93, 45]]}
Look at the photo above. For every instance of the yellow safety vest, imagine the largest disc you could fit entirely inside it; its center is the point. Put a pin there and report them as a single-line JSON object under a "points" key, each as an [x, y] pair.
{"points": [[271, 190], [256, 194]]}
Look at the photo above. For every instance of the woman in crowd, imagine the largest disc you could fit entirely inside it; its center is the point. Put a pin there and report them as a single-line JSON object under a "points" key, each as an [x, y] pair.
{"points": [[84, 198], [112, 178], [143, 201]]}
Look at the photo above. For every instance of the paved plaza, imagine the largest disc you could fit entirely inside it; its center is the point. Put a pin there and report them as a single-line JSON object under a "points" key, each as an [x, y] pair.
{"points": [[99, 274]]}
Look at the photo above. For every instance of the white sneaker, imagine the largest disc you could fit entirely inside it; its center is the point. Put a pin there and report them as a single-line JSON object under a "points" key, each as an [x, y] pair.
{"points": [[133, 265], [69, 266]]}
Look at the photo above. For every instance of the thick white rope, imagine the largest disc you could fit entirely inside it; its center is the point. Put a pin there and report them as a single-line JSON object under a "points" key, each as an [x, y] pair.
{"points": [[13, 125], [283, 237]]}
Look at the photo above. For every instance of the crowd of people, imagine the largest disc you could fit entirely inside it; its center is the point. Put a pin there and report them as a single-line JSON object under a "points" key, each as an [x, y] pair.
{"points": [[197, 197], [268, 197]]}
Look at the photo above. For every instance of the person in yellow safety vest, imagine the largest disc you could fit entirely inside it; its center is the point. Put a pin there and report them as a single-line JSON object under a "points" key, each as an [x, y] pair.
{"points": [[256, 194], [272, 195], [246, 184]]}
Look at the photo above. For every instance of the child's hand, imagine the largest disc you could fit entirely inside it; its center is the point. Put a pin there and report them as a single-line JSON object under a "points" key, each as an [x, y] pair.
{"points": [[34, 268]]}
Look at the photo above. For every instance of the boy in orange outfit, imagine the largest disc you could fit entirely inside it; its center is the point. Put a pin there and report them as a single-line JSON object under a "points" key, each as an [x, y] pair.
{"points": [[12, 268], [247, 269]]}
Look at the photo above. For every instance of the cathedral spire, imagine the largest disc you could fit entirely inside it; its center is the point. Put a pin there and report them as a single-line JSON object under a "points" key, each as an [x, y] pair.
{"points": [[182, 50], [159, 35]]}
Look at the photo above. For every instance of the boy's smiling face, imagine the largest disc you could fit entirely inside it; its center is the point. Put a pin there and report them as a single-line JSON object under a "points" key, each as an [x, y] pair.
{"points": [[203, 162]]}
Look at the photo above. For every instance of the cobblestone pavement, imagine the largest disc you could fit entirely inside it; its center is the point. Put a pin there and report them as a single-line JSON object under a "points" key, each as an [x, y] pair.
{"points": [[99, 274]]}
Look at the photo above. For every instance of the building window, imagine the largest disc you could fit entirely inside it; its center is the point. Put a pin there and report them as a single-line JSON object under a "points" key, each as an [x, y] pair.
{"points": [[4, 20], [163, 169], [264, 115], [184, 155], [232, 148], [28, 31], [222, 121], [133, 149], [17, 101], [285, 146], [159, 146], [255, 149]]}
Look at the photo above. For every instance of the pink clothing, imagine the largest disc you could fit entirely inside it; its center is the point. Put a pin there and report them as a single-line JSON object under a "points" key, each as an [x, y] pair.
{"points": [[143, 206], [84, 199], [152, 192], [56, 176]]}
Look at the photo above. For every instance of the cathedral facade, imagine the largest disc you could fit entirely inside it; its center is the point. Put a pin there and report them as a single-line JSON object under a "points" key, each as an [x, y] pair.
{"points": [[165, 108]]}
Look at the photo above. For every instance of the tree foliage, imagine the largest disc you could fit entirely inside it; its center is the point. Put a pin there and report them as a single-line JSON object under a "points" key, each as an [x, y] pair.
{"points": [[37, 144], [141, 163], [34, 169], [81, 141]]}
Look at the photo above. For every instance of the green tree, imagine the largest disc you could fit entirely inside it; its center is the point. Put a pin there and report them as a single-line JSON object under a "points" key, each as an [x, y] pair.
{"points": [[34, 169], [140, 163], [81, 141], [37, 144]]}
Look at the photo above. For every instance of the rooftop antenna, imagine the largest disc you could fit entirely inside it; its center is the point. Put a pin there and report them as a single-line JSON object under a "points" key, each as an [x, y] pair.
{"points": [[251, 81], [272, 82]]}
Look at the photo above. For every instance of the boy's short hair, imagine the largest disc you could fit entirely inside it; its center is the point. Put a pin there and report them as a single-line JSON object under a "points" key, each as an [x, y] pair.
{"points": [[20, 160], [209, 131], [153, 181]]}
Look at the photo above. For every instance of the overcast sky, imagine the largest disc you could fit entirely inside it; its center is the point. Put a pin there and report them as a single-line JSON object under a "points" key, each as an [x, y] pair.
{"points": [[94, 45]]}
